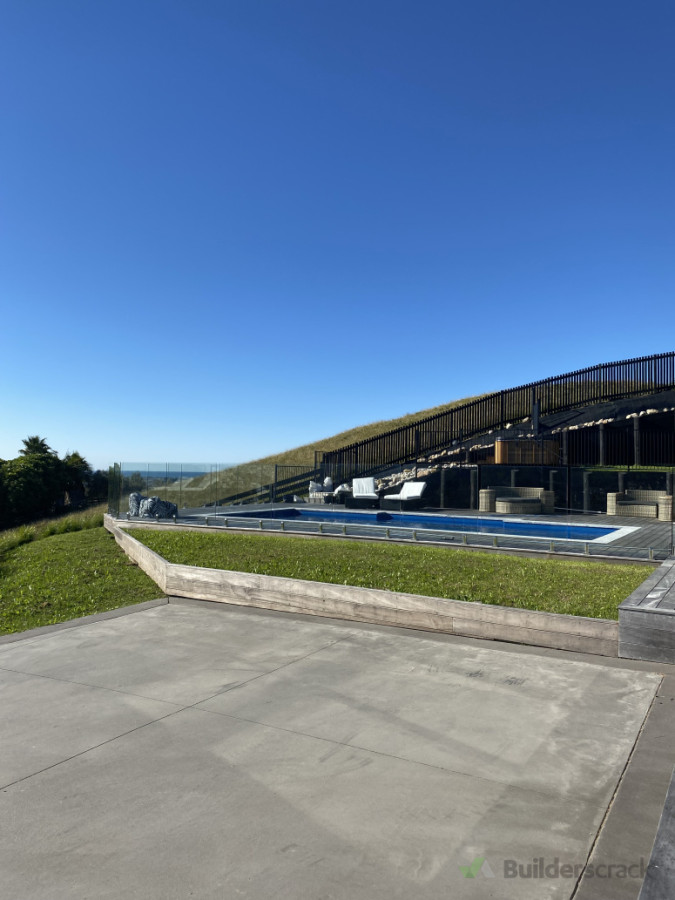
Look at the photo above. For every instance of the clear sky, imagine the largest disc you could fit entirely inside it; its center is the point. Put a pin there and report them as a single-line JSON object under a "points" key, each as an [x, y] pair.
{"points": [[229, 227]]}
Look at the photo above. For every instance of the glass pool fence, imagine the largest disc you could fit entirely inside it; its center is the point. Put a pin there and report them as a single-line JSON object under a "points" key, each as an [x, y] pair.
{"points": [[242, 496]]}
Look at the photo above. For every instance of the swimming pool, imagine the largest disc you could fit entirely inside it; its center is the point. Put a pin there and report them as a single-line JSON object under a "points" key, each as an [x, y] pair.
{"points": [[430, 522]]}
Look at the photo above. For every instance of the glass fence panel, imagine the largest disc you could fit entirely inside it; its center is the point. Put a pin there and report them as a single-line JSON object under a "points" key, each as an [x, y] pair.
{"points": [[634, 504]]}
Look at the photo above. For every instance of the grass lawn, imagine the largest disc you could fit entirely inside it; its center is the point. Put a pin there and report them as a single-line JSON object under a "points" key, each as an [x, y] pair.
{"points": [[55, 577], [563, 586]]}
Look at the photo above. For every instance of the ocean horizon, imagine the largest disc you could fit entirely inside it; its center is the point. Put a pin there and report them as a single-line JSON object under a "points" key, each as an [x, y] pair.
{"points": [[174, 472]]}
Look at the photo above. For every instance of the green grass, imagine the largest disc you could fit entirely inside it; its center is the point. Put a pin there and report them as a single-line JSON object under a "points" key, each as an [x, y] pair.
{"points": [[36, 531], [563, 586], [51, 578]]}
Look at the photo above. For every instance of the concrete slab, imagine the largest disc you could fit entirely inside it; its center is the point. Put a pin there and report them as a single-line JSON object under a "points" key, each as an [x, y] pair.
{"points": [[234, 753], [45, 721], [168, 654], [531, 721]]}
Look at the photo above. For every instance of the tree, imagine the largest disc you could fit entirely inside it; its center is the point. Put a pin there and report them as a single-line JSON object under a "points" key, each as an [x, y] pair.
{"points": [[78, 470], [37, 482], [98, 486], [77, 477], [35, 445], [134, 482], [4, 510], [34, 486]]}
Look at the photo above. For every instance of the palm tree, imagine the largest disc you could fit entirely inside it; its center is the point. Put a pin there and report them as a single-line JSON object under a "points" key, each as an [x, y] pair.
{"points": [[35, 445]]}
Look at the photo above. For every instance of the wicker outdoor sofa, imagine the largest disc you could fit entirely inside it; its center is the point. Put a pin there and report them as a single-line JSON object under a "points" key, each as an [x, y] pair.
{"points": [[645, 504], [516, 500]]}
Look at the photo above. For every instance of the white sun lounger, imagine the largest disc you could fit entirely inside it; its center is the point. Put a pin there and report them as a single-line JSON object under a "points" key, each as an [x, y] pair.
{"points": [[364, 493], [410, 495]]}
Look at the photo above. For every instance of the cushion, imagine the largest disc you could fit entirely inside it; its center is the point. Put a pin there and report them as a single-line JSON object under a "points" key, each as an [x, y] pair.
{"points": [[412, 489]]}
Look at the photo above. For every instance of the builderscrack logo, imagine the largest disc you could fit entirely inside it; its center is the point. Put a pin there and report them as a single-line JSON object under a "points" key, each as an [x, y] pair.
{"points": [[480, 864], [539, 867]]}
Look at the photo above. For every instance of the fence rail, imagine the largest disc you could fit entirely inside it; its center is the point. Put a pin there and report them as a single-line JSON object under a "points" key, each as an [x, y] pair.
{"points": [[596, 384], [212, 488], [275, 490]]}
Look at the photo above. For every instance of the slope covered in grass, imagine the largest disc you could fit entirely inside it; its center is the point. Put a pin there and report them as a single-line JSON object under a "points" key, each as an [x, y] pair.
{"points": [[43, 528], [63, 576], [305, 454], [562, 586], [249, 475]]}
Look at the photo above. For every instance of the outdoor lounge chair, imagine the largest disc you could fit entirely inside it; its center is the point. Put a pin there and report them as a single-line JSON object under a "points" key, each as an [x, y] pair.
{"points": [[409, 498], [319, 493], [645, 504], [518, 500], [340, 494], [364, 493]]}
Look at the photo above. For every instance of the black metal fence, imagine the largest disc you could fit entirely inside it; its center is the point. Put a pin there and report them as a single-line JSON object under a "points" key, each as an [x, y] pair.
{"points": [[594, 385]]}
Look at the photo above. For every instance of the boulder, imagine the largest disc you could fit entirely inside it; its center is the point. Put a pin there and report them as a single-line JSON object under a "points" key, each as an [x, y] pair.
{"points": [[153, 506], [150, 507]]}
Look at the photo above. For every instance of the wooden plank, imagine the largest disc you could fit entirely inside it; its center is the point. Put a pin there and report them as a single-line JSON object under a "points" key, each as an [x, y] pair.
{"points": [[382, 614], [657, 620], [607, 646], [386, 607], [150, 562], [207, 584], [647, 634], [647, 653], [668, 603], [534, 619], [647, 637], [649, 586], [647, 618], [189, 578]]}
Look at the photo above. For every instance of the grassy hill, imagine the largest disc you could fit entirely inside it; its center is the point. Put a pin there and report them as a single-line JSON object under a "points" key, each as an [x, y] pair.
{"points": [[60, 569], [304, 455], [248, 476]]}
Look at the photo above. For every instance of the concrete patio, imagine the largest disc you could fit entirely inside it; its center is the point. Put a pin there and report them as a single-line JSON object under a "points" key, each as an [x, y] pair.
{"points": [[186, 749]]}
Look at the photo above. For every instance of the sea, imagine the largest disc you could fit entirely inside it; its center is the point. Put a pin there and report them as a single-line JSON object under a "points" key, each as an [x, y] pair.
{"points": [[174, 471]]}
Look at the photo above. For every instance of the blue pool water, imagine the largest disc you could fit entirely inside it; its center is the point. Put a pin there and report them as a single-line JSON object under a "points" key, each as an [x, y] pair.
{"points": [[472, 524]]}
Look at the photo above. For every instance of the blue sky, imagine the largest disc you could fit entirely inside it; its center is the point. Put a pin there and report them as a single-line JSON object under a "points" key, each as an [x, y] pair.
{"points": [[229, 228]]}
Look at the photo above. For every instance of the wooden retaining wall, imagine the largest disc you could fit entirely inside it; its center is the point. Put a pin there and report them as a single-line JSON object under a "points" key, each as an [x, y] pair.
{"points": [[585, 635], [647, 618]]}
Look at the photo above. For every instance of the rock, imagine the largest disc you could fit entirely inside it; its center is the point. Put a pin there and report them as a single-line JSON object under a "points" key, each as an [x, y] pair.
{"points": [[150, 507], [153, 507]]}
